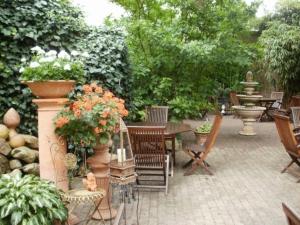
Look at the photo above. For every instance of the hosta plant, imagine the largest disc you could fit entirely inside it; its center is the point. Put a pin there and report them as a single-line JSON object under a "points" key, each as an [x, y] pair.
{"points": [[52, 65], [204, 128], [91, 117], [29, 200]]}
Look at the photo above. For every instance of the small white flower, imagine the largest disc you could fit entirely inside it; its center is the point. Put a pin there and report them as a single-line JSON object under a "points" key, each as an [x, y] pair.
{"points": [[23, 59], [47, 59], [67, 67], [51, 53], [21, 70], [34, 64], [56, 64], [85, 54], [38, 50], [64, 55], [74, 53]]}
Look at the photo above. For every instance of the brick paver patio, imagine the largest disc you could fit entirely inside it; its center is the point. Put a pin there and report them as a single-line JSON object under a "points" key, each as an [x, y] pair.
{"points": [[247, 187]]}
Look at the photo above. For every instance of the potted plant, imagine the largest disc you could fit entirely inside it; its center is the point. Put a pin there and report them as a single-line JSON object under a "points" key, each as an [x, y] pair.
{"points": [[30, 200], [202, 132], [51, 74], [89, 120]]}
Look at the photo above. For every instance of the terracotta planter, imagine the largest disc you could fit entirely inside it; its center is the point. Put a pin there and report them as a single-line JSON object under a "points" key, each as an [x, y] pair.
{"points": [[201, 137], [51, 88], [99, 164]]}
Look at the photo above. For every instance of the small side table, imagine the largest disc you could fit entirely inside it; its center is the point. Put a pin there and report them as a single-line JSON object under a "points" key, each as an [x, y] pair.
{"points": [[79, 196]]}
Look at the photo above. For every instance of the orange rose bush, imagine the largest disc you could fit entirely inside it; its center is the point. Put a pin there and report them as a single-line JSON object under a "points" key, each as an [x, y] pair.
{"points": [[91, 118]]}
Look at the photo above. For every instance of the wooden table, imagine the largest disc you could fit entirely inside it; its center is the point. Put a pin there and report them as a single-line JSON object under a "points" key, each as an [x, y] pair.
{"points": [[266, 102], [171, 129]]}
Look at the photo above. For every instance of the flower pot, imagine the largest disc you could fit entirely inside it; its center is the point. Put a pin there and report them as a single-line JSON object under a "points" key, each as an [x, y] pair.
{"points": [[99, 164], [201, 137], [51, 88]]}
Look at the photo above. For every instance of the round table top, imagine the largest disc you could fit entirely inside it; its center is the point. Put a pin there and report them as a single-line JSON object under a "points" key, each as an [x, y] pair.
{"points": [[83, 195]]}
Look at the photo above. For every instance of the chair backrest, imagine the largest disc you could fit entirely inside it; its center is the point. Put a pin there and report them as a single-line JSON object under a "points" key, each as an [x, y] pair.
{"points": [[233, 98], [148, 145], [278, 96], [296, 116], [213, 134], [157, 114], [292, 218], [286, 133], [295, 101]]}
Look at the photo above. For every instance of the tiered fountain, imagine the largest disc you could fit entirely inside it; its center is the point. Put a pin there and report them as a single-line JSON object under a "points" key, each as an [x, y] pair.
{"points": [[249, 112]]}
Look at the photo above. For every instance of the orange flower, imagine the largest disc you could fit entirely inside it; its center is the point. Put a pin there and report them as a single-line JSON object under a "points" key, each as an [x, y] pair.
{"points": [[105, 114], [124, 112], [77, 113], [103, 122], [98, 90], [61, 121], [88, 106], [94, 85], [87, 88], [97, 130]]}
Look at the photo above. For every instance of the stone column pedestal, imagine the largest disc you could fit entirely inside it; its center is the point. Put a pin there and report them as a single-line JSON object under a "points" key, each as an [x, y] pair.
{"points": [[52, 149]]}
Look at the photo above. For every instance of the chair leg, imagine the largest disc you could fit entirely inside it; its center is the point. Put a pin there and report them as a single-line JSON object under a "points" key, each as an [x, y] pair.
{"points": [[206, 168], [173, 149], [188, 164], [167, 174], [285, 168], [192, 169]]}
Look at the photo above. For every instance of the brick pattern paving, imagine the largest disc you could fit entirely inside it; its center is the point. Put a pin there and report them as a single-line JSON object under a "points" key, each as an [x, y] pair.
{"points": [[246, 188]]}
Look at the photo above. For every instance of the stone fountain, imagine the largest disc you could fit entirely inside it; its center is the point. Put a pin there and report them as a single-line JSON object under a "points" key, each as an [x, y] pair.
{"points": [[248, 111]]}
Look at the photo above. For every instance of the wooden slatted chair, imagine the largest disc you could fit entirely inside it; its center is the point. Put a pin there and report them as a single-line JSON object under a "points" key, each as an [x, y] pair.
{"points": [[296, 118], [292, 218], [288, 139], [199, 154], [148, 146], [157, 114], [278, 95]]}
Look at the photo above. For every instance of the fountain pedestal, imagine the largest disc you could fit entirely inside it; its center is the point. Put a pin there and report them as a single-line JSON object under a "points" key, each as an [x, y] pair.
{"points": [[248, 112]]}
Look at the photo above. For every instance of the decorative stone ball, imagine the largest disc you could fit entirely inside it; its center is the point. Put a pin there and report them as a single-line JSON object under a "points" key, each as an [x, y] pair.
{"points": [[17, 141], [3, 131], [11, 118]]}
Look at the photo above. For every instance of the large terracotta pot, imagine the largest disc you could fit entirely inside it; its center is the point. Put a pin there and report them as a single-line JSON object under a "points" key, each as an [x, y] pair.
{"points": [[51, 88], [99, 164]]}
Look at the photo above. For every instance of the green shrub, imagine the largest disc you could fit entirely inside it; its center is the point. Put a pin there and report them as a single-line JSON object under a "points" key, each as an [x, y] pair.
{"points": [[29, 200], [204, 128]]}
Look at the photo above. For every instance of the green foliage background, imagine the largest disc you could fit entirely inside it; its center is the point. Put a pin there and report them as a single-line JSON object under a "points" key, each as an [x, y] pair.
{"points": [[182, 52], [54, 24], [281, 44]]}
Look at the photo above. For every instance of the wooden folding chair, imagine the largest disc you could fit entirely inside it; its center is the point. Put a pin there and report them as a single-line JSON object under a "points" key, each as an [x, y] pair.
{"points": [[148, 146], [199, 154], [292, 218], [296, 118], [288, 139]]}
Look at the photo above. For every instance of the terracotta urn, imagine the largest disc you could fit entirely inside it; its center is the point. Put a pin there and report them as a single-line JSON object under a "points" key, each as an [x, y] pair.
{"points": [[201, 137], [99, 164], [11, 119], [51, 89]]}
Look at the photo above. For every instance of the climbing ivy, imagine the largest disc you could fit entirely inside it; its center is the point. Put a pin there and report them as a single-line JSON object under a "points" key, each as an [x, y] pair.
{"points": [[51, 24]]}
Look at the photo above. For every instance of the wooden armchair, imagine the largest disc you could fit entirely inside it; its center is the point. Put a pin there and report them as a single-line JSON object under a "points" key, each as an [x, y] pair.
{"points": [[288, 139], [199, 154], [292, 218], [157, 114], [294, 102], [151, 158]]}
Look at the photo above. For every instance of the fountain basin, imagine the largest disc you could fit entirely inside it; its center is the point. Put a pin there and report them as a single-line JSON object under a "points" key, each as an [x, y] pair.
{"points": [[248, 116], [249, 112], [249, 84]]}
